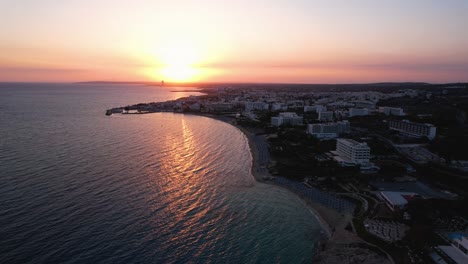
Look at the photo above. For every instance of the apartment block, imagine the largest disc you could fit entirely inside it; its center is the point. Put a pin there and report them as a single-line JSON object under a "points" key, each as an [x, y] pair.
{"points": [[287, 118], [395, 111], [413, 129], [328, 130], [325, 116], [351, 151]]}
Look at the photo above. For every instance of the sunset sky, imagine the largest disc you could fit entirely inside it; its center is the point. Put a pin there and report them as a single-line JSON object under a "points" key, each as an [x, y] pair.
{"points": [[302, 41]]}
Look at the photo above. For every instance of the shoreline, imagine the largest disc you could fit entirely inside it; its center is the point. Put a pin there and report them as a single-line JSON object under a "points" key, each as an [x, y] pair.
{"points": [[333, 223], [328, 223], [340, 244]]}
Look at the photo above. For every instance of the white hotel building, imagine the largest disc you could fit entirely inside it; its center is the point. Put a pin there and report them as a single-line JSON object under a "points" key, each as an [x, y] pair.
{"points": [[395, 111], [412, 129], [315, 108], [328, 130], [350, 152], [457, 252], [325, 116], [287, 118], [359, 112]]}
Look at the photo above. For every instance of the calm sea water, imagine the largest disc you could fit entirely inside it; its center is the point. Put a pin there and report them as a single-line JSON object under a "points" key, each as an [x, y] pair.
{"points": [[79, 187]]}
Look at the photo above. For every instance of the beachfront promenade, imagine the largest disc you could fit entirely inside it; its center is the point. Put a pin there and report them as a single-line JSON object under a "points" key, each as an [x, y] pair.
{"points": [[326, 199], [263, 154]]}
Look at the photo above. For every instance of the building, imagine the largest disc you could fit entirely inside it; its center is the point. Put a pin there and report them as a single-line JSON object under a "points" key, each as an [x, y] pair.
{"points": [[195, 107], [328, 130], [278, 107], [358, 112], [340, 114], [397, 200], [295, 103], [250, 106], [364, 104], [457, 252], [221, 107], [349, 151], [395, 111], [325, 116], [315, 108], [413, 129], [461, 243], [287, 118]]}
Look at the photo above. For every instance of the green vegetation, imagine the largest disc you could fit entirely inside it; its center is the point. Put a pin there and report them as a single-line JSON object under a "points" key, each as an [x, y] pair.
{"points": [[296, 154]]}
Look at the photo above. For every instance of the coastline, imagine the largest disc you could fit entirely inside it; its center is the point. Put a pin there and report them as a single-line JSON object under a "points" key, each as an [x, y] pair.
{"points": [[338, 240], [327, 218]]}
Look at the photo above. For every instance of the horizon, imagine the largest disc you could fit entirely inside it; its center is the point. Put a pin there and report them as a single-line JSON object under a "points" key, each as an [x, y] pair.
{"points": [[299, 42], [171, 84]]}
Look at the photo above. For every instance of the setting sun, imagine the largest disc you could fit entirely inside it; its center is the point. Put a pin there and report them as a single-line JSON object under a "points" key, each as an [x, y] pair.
{"points": [[179, 63], [179, 73]]}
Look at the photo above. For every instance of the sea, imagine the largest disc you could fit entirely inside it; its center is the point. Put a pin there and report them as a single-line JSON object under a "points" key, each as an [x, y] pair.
{"points": [[77, 186]]}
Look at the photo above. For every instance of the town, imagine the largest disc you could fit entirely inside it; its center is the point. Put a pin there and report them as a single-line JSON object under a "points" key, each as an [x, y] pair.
{"points": [[391, 157]]}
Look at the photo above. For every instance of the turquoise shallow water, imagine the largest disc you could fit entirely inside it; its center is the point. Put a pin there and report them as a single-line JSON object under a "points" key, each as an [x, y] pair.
{"points": [[80, 187]]}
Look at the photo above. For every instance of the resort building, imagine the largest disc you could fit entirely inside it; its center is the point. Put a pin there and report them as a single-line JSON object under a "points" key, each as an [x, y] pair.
{"points": [[279, 107], [397, 200], [461, 243], [358, 112], [457, 252], [395, 111], [195, 107], [351, 152], [412, 129], [221, 107], [364, 104], [315, 108], [328, 130], [325, 116], [287, 118], [250, 106]]}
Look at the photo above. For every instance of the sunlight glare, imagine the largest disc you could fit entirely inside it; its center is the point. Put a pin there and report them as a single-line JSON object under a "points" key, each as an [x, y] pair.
{"points": [[179, 63]]}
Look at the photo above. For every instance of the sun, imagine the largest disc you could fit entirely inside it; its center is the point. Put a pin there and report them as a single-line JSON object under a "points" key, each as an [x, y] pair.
{"points": [[178, 73], [179, 64]]}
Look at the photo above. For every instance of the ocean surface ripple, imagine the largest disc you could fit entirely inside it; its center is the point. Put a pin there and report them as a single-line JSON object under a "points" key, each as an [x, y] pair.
{"points": [[80, 187]]}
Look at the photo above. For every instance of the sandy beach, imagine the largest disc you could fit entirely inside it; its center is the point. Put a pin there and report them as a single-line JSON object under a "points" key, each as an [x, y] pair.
{"points": [[329, 219], [342, 246]]}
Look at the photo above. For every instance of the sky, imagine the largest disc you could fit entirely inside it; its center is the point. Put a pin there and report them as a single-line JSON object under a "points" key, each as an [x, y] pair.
{"points": [[286, 41]]}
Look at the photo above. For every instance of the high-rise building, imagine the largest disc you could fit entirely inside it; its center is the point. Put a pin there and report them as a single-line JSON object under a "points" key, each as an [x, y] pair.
{"points": [[351, 151], [413, 129]]}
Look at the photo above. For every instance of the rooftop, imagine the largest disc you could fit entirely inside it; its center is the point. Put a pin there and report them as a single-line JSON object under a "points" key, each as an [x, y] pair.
{"points": [[415, 187], [398, 198], [454, 254], [351, 142]]}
